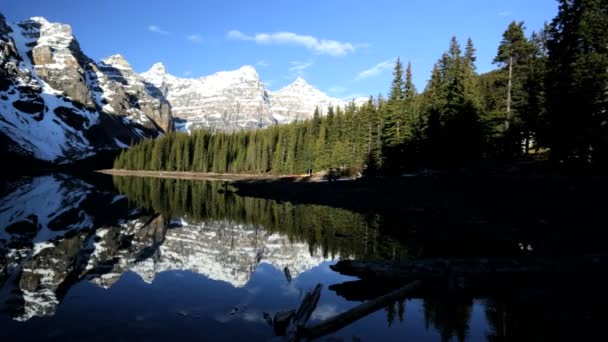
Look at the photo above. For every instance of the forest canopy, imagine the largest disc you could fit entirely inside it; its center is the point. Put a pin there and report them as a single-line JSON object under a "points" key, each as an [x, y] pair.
{"points": [[548, 93]]}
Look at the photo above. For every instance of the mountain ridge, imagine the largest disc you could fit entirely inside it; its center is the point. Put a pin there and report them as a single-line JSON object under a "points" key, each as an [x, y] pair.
{"points": [[58, 105], [236, 99]]}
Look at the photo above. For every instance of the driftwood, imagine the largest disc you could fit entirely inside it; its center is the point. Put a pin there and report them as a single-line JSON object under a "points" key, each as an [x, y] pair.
{"points": [[303, 313], [475, 277], [348, 317], [422, 276], [287, 274], [441, 268], [281, 321]]}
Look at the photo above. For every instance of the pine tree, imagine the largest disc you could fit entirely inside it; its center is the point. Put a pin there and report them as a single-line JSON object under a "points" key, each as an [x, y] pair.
{"points": [[513, 52], [392, 133], [577, 79]]}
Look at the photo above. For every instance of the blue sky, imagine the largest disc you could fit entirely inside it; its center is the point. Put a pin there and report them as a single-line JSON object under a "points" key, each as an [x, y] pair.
{"points": [[343, 47]]}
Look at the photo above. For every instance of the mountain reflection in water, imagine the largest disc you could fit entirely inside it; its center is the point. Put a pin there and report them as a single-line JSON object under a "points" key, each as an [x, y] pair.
{"points": [[163, 259]]}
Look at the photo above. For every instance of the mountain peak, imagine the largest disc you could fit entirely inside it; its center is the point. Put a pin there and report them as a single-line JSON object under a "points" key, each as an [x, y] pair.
{"points": [[158, 68], [117, 61], [299, 82], [248, 67], [40, 20], [250, 71]]}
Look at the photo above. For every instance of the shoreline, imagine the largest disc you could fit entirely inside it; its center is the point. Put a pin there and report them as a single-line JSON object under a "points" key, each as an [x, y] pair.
{"points": [[229, 177]]}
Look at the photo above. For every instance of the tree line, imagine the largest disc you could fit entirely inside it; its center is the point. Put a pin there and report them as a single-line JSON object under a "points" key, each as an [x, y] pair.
{"points": [[549, 93]]}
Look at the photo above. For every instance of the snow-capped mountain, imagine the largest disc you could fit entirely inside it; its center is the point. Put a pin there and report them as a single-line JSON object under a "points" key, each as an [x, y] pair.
{"points": [[236, 99], [299, 99], [58, 105], [225, 100]]}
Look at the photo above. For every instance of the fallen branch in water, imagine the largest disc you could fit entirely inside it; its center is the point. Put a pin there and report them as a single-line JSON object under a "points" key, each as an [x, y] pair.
{"points": [[348, 317]]}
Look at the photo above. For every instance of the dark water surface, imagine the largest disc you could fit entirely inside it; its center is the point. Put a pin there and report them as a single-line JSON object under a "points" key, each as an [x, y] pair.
{"points": [[156, 259]]}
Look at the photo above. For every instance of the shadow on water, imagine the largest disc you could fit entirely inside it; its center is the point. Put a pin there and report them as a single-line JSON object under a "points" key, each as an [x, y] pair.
{"points": [[207, 263]]}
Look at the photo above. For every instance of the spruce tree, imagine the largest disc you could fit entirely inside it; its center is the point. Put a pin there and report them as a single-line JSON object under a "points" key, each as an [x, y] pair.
{"points": [[577, 82], [513, 52]]}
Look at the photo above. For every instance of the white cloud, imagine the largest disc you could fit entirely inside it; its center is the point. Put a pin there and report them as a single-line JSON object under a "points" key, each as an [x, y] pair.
{"points": [[505, 14], [187, 73], [262, 63], [236, 34], [157, 29], [268, 83], [298, 67], [195, 38], [324, 311], [320, 46], [376, 69]]}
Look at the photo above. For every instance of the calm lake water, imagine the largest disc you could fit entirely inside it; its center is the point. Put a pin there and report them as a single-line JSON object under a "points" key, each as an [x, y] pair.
{"points": [[154, 259]]}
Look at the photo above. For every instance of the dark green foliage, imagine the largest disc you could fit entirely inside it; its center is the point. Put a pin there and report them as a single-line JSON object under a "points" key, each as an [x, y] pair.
{"points": [[550, 91], [319, 226], [521, 70], [339, 140], [451, 116], [577, 83]]}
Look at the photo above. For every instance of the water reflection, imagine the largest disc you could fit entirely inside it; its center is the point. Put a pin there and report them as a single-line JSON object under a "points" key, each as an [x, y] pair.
{"points": [[182, 259], [334, 231]]}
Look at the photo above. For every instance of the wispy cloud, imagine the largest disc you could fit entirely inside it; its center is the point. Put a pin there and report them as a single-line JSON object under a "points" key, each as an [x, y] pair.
{"points": [[268, 83], [157, 29], [320, 46], [195, 38], [262, 63], [376, 69], [298, 67], [324, 311], [187, 73], [504, 14]]}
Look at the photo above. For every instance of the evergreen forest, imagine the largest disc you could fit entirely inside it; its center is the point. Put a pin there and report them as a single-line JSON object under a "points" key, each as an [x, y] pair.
{"points": [[548, 97]]}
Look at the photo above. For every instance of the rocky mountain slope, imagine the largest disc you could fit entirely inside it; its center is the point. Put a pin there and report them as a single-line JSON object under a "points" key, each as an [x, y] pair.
{"points": [[237, 99], [58, 105]]}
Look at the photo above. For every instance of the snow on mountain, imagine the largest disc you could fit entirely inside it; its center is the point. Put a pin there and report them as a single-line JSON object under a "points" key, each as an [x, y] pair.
{"points": [[57, 230], [226, 100], [298, 101], [237, 99], [228, 252], [58, 105]]}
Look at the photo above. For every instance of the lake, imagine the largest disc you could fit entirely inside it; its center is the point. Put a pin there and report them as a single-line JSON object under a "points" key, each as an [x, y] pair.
{"points": [[102, 258]]}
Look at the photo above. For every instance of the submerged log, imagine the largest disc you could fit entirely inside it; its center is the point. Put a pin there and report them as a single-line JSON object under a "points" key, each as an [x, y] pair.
{"points": [[348, 317], [302, 315], [281, 321], [287, 274]]}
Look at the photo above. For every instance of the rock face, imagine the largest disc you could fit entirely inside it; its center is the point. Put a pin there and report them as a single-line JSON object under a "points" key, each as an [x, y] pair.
{"points": [[56, 231], [58, 105], [127, 93], [226, 100], [237, 99]]}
